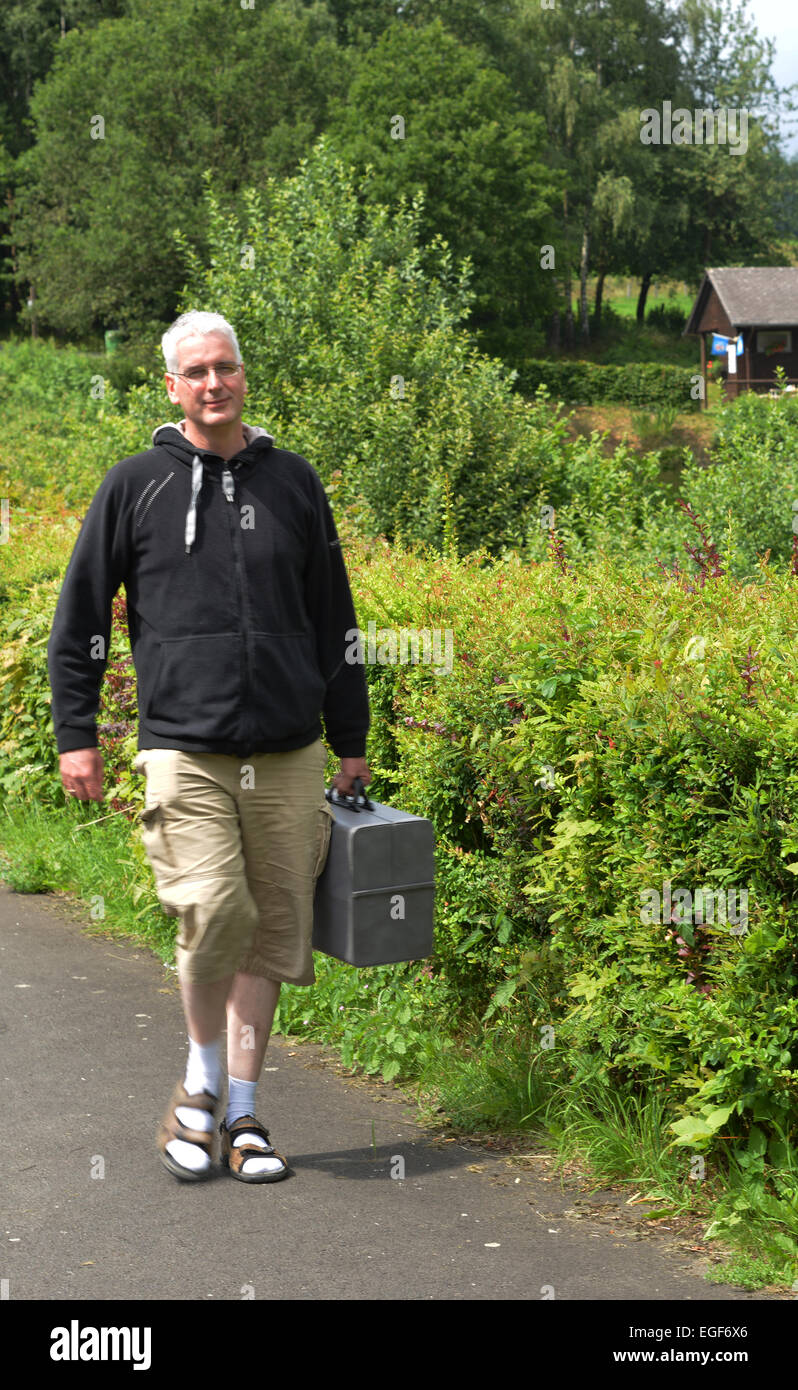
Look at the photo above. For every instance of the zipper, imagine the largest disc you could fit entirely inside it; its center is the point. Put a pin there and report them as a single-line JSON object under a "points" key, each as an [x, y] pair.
{"points": [[228, 488]]}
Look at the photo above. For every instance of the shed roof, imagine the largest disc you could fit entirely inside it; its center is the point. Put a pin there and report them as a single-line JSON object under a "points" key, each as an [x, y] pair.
{"points": [[752, 296]]}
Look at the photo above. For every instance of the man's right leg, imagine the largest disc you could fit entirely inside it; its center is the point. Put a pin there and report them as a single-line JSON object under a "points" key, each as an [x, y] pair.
{"points": [[191, 831], [204, 1009]]}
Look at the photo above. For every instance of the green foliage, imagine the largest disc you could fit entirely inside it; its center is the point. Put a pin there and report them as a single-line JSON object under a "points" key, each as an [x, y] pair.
{"points": [[355, 358], [668, 317], [478, 158], [64, 425], [28, 758], [765, 1185], [95, 205], [754, 475], [40, 378], [639, 383], [29, 35], [662, 768], [382, 1020], [619, 340], [513, 113], [350, 332], [30, 769]]}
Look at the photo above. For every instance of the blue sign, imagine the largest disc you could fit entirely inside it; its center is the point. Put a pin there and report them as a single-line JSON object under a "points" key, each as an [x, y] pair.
{"points": [[721, 344]]}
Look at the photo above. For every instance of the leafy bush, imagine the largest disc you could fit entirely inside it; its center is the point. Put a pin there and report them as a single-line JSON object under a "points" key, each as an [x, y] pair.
{"points": [[668, 317], [639, 383], [27, 743], [27, 751], [753, 474], [354, 357], [41, 378], [382, 1019], [64, 425]]}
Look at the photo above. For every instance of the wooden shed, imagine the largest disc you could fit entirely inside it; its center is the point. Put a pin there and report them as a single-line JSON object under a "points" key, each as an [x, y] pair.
{"points": [[759, 306]]}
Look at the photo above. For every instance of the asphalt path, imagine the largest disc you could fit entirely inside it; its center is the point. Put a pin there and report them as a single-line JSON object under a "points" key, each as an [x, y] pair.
{"points": [[92, 1040]]}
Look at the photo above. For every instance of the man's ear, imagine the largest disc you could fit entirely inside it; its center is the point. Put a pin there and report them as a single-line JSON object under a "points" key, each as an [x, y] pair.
{"points": [[171, 388]]}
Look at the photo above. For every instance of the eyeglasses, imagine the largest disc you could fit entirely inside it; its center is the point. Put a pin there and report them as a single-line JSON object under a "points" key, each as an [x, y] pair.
{"points": [[198, 374]]}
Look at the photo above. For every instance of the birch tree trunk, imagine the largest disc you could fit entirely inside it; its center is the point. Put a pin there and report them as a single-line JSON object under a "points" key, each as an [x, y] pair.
{"points": [[583, 269]]}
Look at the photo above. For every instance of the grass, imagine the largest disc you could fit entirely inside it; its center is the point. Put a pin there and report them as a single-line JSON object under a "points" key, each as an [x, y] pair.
{"points": [[608, 1138], [80, 851], [620, 339], [626, 305]]}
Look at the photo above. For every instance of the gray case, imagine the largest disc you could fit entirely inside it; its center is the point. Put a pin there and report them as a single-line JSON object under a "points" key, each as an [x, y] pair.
{"points": [[375, 896]]}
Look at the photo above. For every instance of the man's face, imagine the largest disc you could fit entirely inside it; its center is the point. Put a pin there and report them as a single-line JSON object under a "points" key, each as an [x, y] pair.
{"points": [[207, 396]]}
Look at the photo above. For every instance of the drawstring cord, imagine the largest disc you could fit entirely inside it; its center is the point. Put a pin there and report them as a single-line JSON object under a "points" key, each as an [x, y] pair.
{"points": [[191, 514]]}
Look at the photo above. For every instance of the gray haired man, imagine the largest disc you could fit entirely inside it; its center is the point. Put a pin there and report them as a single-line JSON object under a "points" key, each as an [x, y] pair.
{"points": [[238, 606]]}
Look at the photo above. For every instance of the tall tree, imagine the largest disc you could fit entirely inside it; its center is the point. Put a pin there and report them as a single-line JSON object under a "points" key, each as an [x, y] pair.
{"points": [[30, 32], [715, 206], [131, 114], [593, 62], [426, 111]]}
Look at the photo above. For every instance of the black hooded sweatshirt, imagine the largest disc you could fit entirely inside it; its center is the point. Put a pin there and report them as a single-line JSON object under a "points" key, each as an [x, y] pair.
{"points": [[240, 615]]}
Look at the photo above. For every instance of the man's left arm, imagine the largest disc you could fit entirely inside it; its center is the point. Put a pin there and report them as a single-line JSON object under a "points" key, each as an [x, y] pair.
{"points": [[329, 602]]}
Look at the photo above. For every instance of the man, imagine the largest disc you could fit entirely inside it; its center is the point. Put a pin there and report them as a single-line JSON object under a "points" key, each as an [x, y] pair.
{"points": [[238, 607]]}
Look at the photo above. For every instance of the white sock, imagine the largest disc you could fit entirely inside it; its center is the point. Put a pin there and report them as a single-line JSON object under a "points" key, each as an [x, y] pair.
{"points": [[240, 1099], [240, 1102], [203, 1073], [203, 1069]]}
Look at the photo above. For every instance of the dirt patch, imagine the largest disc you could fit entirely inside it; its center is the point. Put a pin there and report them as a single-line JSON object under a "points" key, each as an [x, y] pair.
{"points": [[693, 431]]}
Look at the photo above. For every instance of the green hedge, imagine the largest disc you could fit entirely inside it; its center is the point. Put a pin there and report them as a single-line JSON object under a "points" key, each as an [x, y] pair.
{"points": [[588, 383]]}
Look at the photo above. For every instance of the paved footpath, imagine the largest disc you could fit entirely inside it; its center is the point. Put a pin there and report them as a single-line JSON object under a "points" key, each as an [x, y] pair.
{"points": [[92, 1041]]}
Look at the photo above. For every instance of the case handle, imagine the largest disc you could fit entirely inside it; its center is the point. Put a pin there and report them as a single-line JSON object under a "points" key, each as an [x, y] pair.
{"points": [[349, 800]]}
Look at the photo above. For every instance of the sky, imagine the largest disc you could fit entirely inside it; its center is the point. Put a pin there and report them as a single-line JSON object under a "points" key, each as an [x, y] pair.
{"points": [[778, 19]]}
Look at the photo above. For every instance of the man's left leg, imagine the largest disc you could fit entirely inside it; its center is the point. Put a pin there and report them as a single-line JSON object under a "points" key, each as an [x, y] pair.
{"points": [[285, 845], [250, 1010]]}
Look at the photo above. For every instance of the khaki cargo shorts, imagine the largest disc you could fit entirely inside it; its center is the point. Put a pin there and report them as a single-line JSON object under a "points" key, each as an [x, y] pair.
{"points": [[236, 846]]}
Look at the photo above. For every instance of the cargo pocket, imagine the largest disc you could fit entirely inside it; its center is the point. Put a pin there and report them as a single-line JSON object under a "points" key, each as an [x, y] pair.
{"points": [[324, 835], [156, 846], [149, 820]]}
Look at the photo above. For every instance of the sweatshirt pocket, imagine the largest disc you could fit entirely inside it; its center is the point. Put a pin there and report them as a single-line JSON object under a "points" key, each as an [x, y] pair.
{"points": [[288, 688], [196, 690]]}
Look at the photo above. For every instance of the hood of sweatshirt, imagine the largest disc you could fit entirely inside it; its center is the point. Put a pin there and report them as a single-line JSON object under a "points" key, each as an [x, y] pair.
{"points": [[172, 437]]}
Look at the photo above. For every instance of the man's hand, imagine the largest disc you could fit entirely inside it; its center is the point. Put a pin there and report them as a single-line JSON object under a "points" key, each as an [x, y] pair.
{"points": [[82, 774], [351, 768]]}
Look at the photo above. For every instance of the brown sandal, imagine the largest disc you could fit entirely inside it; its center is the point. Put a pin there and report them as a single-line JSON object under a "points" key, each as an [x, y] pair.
{"points": [[234, 1159], [170, 1128]]}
